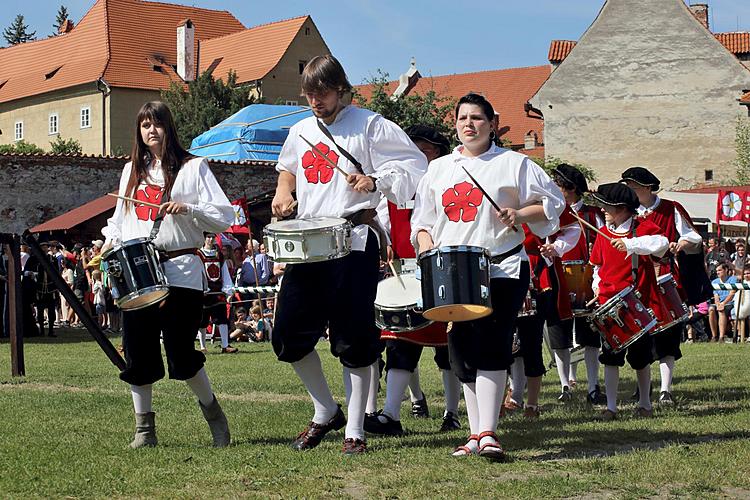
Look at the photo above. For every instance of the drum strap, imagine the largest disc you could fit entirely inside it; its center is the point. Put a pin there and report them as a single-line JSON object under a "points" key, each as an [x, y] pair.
{"points": [[159, 219], [634, 258], [367, 216], [343, 151]]}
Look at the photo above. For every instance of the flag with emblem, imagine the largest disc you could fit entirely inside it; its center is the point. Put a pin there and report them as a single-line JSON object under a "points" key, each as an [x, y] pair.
{"points": [[241, 217], [733, 205]]}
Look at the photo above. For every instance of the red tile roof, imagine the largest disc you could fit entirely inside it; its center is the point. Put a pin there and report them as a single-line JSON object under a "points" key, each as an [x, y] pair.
{"points": [[507, 89], [745, 99], [117, 40], [78, 215], [251, 53], [737, 43]]}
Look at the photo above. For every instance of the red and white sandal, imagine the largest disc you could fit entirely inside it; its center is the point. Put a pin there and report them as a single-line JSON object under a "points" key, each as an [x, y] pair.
{"points": [[464, 450], [491, 450]]}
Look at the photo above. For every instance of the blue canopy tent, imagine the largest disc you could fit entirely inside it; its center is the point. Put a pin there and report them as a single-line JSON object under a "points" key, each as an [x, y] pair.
{"points": [[255, 132]]}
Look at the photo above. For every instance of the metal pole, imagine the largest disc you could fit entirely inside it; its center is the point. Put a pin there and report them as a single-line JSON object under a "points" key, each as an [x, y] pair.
{"points": [[93, 328]]}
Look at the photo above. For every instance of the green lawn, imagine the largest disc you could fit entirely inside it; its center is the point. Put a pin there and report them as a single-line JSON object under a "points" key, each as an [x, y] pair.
{"points": [[66, 427]]}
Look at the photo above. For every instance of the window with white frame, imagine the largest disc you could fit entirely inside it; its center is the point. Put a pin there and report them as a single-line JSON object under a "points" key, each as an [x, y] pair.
{"points": [[54, 124], [86, 117], [19, 131], [291, 103]]}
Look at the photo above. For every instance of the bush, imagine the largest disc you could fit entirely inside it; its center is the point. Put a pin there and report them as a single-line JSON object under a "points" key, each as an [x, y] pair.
{"points": [[20, 147], [62, 146]]}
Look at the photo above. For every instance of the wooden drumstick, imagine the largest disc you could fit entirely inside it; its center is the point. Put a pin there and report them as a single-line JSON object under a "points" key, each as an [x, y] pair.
{"points": [[590, 226], [486, 195], [393, 270], [148, 204], [322, 155], [591, 302]]}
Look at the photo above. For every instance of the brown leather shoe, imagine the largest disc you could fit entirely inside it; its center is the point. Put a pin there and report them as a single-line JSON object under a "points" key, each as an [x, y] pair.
{"points": [[642, 412], [531, 413], [314, 433], [229, 350], [354, 446], [607, 416]]}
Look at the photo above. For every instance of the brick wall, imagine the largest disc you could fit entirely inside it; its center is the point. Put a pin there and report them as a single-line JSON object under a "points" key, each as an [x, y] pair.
{"points": [[36, 188]]}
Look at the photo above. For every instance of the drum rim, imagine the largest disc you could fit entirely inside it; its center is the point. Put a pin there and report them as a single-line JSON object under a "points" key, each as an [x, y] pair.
{"points": [[573, 263], [143, 291], [674, 322], [312, 260], [129, 243], [664, 278], [488, 310], [611, 302], [340, 222], [454, 249], [407, 308]]}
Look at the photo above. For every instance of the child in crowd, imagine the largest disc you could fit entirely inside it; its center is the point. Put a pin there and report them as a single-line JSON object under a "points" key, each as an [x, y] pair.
{"points": [[243, 327], [100, 301]]}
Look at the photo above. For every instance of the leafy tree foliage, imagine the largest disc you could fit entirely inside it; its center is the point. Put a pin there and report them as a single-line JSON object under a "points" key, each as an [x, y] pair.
{"points": [[18, 32], [742, 149], [20, 147], [551, 162], [205, 103], [62, 146]]}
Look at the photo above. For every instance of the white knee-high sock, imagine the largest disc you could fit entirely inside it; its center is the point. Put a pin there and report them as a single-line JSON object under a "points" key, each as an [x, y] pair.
{"points": [[562, 361], [224, 332], [201, 387], [573, 374], [591, 357], [202, 337], [310, 372], [360, 382], [372, 393], [517, 380], [472, 410], [142, 397], [666, 369], [415, 390], [490, 387], [452, 388], [612, 381], [644, 387], [398, 380]]}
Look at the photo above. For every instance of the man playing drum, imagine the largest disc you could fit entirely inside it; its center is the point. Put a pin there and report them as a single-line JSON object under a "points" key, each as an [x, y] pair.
{"points": [[377, 157], [404, 350], [573, 185], [677, 226], [451, 211], [622, 262]]}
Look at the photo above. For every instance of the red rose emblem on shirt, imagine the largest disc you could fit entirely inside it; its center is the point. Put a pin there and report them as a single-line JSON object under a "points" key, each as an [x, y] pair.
{"points": [[316, 167], [150, 194], [461, 202]]}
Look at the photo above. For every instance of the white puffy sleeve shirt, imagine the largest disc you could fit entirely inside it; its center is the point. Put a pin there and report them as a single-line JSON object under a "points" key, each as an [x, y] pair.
{"points": [[208, 210], [455, 212], [384, 150]]}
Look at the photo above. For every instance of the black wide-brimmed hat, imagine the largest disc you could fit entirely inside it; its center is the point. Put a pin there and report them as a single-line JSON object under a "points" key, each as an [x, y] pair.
{"points": [[571, 175], [642, 176], [431, 135], [616, 194]]}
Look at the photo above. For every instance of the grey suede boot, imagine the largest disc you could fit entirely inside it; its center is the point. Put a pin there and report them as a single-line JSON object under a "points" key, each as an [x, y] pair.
{"points": [[145, 430], [217, 422]]}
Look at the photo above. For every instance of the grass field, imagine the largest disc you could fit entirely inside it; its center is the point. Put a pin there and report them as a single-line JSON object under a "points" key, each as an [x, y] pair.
{"points": [[67, 424]]}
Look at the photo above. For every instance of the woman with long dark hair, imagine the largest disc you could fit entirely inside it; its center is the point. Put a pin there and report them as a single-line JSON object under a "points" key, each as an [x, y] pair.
{"points": [[191, 202], [451, 210]]}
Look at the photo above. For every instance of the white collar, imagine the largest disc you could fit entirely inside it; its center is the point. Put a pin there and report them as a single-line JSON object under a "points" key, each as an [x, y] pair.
{"points": [[493, 150], [577, 205], [643, 210], [622, 228]]}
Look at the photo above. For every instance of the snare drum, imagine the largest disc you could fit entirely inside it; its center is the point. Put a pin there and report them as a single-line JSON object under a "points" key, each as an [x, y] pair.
{"points": [[673, 310], [135, 274], [622, 320], [455, 283], [579, 276], [529, 304], [396, 308], [299, 241]]}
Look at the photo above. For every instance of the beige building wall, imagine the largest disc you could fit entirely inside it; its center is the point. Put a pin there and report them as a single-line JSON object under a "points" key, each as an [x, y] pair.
{"points": [[283, 83], [67, 104], [123, 105], [646, 85]]}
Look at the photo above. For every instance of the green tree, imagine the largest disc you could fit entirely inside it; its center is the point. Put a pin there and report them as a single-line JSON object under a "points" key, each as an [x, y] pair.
{"points": [[549, 163], [412, 109], [62, 146], [20, 147], [18, 32], [742, 149], [62, 15], [205, 103]]}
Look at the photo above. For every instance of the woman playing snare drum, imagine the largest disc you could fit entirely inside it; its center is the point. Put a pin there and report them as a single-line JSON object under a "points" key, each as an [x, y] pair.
{"points": [[451, 210], [195, 204]]}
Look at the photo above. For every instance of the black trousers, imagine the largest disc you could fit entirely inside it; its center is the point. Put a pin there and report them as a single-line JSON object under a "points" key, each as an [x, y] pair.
{"points": [[487, 343], [531, 336], [338, 294], [46, 302], [667, 343], [404, 355], [177, 319]]}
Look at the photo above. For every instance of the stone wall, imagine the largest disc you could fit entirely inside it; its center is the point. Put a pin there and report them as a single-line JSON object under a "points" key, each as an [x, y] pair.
{"points": [[648, 85], [36, 188]]}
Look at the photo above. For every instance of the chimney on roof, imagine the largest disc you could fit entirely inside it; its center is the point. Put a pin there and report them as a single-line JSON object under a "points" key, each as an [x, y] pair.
{"points": [[407, 81], [700, 11], [65, 27], [186, 50], [531, 140]]}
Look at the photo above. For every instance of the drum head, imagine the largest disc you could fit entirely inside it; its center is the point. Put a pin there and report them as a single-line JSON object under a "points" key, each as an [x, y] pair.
{"points": [[457, 312], [398, 291], [297, 225]]}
